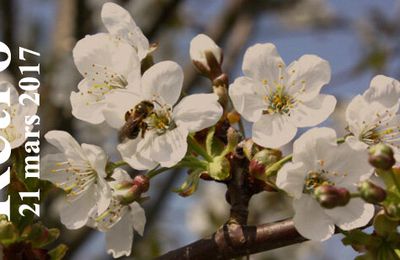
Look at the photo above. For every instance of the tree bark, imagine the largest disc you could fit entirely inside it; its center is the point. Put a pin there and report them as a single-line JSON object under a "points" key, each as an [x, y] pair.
{"points": [[233, 240]]}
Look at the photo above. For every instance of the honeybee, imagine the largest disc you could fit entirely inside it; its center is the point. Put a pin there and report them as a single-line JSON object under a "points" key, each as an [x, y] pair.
{"points": [[134, 120]]}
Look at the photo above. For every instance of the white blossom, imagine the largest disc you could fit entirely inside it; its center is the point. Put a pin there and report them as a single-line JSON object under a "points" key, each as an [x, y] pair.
{"points": [[108, 65], [120, 24], [374, 116], [119, 220], [80, 172], [164, 141], [15, 131], [200, 45], [279, 99], [318, 159]]}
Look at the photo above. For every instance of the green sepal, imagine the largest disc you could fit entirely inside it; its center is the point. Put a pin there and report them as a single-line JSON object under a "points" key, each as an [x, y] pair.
{"points": [[190, 185], [59, 252]]}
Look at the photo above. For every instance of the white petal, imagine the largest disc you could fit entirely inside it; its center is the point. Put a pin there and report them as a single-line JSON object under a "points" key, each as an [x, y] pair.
{"points": [[262, 62], [16, 129], [384, 90], [313, 112], [163, 81], [138, 217], [355, 143], [120, 175], [308, 75], [310, 220], [198, 111], [4, 86], [291, 178], [100, 56], [351, 166], [66, 144], [362, 114], [168, 149], [314, 145], [247, 98], [103, 195], [120, 237], [85, 106], [201, 44], [118, 104], [48, 165], [273, 131], [355, 214], [96, 157], [76, 213], [120, 23], [138, 159]]}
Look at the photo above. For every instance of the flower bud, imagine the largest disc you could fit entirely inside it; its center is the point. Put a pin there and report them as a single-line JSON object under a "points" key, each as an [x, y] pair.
{"points": [[142, 181], [262, 159], [132, 191], [206, 55], [371, 193], [381, 156], [330, 197]]}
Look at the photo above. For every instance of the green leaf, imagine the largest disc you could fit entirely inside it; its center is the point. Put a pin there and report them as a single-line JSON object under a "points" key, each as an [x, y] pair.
{"points": [[357, 237], [219, 168], [59, 252]]}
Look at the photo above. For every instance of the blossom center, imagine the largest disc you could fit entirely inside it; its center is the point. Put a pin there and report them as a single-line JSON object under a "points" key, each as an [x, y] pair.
{"points": [[314, 179], [149, 115], [279, 102], [382, 131], [80, 176], [103, 81], [161, 120]]}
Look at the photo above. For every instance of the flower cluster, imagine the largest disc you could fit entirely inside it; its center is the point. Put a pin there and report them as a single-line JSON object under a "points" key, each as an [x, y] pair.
{"points": [[153, 120], [159, 129]]}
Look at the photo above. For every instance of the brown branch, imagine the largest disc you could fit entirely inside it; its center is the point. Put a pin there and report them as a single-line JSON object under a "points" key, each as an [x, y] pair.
{"points": [[234, 241]]}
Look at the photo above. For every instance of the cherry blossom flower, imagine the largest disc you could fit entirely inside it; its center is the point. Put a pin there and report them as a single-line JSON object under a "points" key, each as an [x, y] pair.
{"points": [[107, 65], [120, 24], [14, 133], [120, 219], [163, 139], [374, 116], [317, 160], [279, 99], [80, 172], [200, 45]]}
